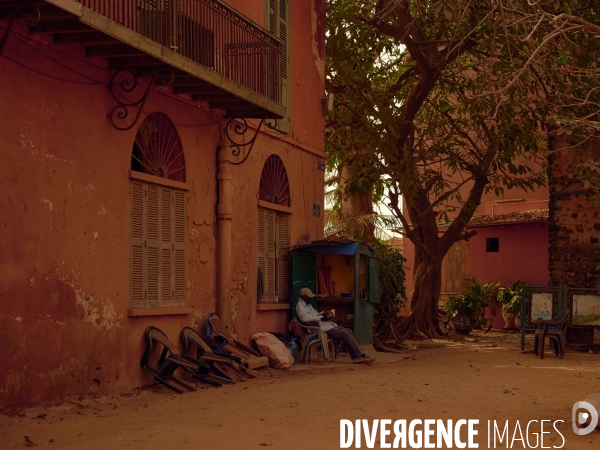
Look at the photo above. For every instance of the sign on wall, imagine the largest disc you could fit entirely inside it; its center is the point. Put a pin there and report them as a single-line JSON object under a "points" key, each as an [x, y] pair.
{"points": [[541, 306], [586, 309]]}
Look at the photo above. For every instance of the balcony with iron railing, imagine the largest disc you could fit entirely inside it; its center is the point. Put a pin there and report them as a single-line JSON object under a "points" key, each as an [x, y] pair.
{"points": [[211, 51]]}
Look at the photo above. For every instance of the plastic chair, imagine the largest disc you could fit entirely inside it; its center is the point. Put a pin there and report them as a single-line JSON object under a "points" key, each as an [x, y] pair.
{"points": [[310, 335], [170, 360], [225, 366], [555, 330], [222, 341]]}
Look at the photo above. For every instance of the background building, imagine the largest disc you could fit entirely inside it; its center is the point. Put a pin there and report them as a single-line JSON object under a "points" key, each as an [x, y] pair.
{"points": [[574, 221], [511, 245]]}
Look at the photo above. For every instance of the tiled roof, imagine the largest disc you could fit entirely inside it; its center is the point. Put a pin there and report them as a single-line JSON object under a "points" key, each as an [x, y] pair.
{"points": [[533, 215]]}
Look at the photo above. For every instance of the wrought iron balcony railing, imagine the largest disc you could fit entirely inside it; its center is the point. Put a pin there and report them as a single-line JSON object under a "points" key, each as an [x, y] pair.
{"points": [[209, 33]]}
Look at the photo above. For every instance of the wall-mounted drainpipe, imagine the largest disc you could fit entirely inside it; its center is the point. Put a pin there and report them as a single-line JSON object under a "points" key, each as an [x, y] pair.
{"points": [[224, 212]]}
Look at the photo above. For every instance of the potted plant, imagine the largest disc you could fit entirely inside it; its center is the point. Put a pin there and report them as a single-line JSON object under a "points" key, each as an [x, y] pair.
{"points": [[468, 309], [511, 301]]}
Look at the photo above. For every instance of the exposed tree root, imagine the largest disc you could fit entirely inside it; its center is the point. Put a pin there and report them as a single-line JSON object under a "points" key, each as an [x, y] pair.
{"points": [[388, 346], [411, 328], [387, 340]]}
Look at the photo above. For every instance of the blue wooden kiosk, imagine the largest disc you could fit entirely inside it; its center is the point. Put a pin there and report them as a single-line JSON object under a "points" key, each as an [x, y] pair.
{"points": [[355, 269]]}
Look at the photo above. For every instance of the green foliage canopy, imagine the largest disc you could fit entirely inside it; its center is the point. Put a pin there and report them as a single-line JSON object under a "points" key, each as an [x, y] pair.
{"points": [[391, 284], [432, 96], [441, 101]]}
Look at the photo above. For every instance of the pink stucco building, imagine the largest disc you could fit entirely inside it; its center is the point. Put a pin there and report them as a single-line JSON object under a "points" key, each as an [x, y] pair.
{"points": [[511, 245], [127, 206]]}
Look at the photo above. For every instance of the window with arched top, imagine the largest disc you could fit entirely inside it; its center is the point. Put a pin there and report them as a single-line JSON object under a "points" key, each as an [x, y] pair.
{"points": [[273, 232], [158, 216], [274, 185], [157, 149]]}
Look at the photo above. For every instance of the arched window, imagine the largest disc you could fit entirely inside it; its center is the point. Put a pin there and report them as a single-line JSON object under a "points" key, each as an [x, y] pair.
{"points": [[157, 149], [273, 233], [274, 186], [158, 216]]}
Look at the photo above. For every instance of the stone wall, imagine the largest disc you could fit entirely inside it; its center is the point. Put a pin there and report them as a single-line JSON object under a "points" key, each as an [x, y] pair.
{"points": [[574, 223]]}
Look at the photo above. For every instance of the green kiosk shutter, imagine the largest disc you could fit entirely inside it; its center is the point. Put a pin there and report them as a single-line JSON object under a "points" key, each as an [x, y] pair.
{"points": [[304, 274], [374, 293]]}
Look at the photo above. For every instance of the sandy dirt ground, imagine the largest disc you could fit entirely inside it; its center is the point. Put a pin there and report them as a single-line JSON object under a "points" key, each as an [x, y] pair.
{"points": [[483, 377]]}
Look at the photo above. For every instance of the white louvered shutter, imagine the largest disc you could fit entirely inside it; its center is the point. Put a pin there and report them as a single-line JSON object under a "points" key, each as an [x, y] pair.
{"points": [[267, 252], [152, 297], [137, 245], [279, 24], [166, 256], [179, 248], [283, 255], [270, 288], [271, 17], [157, 246], [262, 249]]}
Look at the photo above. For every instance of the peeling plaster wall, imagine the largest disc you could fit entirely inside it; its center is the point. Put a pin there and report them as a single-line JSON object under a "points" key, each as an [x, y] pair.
{"points": [[63, 234], [65, 216], [306, 188], [307, 67], [574, 223]]}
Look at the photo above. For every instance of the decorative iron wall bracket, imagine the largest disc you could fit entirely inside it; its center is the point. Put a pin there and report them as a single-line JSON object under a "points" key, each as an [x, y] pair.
{"points": [[239, 127], [128, 83]]}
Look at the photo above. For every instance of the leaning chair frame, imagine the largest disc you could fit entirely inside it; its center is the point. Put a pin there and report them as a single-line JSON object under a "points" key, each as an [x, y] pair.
{"points": [[169, 361], [225, 366]]}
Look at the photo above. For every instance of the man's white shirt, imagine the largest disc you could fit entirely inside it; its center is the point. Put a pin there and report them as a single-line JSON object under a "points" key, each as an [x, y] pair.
{"points": [[307, 313]]}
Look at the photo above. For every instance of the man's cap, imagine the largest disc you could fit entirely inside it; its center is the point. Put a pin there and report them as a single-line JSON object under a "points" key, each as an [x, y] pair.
{"points": [[307, 292]]}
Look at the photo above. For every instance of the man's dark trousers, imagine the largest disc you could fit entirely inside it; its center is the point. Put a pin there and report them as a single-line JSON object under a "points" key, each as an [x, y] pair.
{"points": [[346, 336]]}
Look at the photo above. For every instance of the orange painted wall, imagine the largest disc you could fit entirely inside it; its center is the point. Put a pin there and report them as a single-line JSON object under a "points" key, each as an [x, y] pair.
{"points": [[65, 214]]}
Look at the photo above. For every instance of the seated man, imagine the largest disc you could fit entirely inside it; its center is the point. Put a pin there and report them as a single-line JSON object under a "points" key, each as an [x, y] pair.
{"points": [[306, 313]]}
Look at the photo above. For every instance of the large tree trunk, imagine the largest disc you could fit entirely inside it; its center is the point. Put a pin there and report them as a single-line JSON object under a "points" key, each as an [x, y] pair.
{"points": [[427, 282], [430, 251]]}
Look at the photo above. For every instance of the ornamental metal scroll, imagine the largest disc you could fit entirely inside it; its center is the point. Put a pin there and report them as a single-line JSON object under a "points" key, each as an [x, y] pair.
{"points": [[239, 128], [127, 84]]}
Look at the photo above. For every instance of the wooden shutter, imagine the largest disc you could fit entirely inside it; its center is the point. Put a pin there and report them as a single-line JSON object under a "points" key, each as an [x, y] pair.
{"points": [[152, 248], [270, 221], [157, 246], [284, 35], [262, 250], [179, 247], [137, 245], [283, 258], [278, 22], [166, 254], [266, 251], [271, 16]]}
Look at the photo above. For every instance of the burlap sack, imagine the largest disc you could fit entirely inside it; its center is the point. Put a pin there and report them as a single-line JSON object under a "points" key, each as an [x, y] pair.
{"points": [[278, 355]]}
